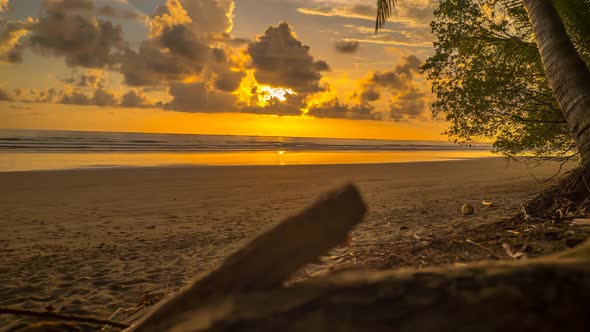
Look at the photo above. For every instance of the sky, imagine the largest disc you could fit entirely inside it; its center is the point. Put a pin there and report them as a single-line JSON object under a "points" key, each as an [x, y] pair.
{"points": [[247, 67]]}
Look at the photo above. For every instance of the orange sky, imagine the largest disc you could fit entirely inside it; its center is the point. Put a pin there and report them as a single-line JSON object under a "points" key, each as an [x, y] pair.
{"points": [[215, 67], [93, 118]]}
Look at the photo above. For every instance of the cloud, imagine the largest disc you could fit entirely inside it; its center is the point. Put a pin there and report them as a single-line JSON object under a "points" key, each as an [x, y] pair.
{"points": [[65, 6], [125, 14], [334, 109], [103, 97], [228, 81], [185, 39], [280, 59], [414, 13], [198, 97], [74, 98], [5, 96], [86, 80], [202, 16], [398, 78], [4, 6], [151, 65], [346, 46], [370, 95], [397, 87], [409, 25], [11, 33], [359, 11], [135, 99], [410, 104], [82, 39], [100, 97]]}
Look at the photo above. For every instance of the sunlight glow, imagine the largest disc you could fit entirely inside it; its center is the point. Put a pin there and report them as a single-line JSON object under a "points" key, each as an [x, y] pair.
{"points": [[267, 93]]}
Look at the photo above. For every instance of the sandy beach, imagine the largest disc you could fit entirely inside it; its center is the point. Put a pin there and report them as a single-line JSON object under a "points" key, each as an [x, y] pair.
{"points": [[93, 241]]}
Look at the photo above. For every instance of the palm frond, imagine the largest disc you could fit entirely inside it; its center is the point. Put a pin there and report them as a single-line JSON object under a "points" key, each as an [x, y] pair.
{"points": [[384, 10], [576, 18]]}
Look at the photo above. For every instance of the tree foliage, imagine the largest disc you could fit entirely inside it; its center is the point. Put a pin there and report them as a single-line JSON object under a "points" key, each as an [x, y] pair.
{"points": [[489, 80]]}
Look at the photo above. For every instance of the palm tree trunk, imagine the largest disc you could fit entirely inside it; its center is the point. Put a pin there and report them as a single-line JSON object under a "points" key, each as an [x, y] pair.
{"points": [[567, 74]]}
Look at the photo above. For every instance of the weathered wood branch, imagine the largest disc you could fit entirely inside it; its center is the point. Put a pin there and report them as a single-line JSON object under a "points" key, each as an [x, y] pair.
{"points": [[548, 295], [246, 293], [270, 259]]}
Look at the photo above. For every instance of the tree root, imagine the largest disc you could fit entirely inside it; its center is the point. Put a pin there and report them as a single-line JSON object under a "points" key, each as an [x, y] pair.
{"points": [[569, 198]]}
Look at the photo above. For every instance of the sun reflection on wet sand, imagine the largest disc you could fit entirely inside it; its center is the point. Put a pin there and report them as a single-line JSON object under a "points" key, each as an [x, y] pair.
{"points": [[50, 161]]}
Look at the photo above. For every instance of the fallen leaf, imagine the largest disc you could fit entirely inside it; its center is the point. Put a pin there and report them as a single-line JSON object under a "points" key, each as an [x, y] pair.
{"points": [[513, 253], [487, 204]]}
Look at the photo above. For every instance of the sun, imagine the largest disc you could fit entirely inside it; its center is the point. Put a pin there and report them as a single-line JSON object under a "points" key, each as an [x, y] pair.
{"points": [[266, 93]]}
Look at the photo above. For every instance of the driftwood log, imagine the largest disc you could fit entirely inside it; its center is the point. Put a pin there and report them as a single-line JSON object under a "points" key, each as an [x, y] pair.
{"points": [[246, 293]]}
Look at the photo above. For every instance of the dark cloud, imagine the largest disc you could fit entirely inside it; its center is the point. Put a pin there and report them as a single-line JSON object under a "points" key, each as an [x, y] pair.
{"points": [[400, 77], [181, 41], [49, 95], [100, 97], [152, 65], [81, 39], [75, 98], [370, 95], [280, 59], [134, 99], [410, 66], [398, 87], [228, 81], [197, 97], [5, 96], [334, 109], [410, 104], [103, 97], [346, 46]]}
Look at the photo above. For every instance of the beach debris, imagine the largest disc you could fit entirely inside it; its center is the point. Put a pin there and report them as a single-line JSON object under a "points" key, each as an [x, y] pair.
{"points": [[50, 307], [150, 299], [488, 204], [467, 209], [480, 246], [512, 252]]}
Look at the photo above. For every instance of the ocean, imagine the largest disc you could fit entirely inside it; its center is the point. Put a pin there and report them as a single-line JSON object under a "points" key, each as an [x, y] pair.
{"points": [[22, 150]]}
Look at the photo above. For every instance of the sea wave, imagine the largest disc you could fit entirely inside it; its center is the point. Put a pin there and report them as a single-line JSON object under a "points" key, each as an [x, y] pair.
{"points": [[86, 141]]}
